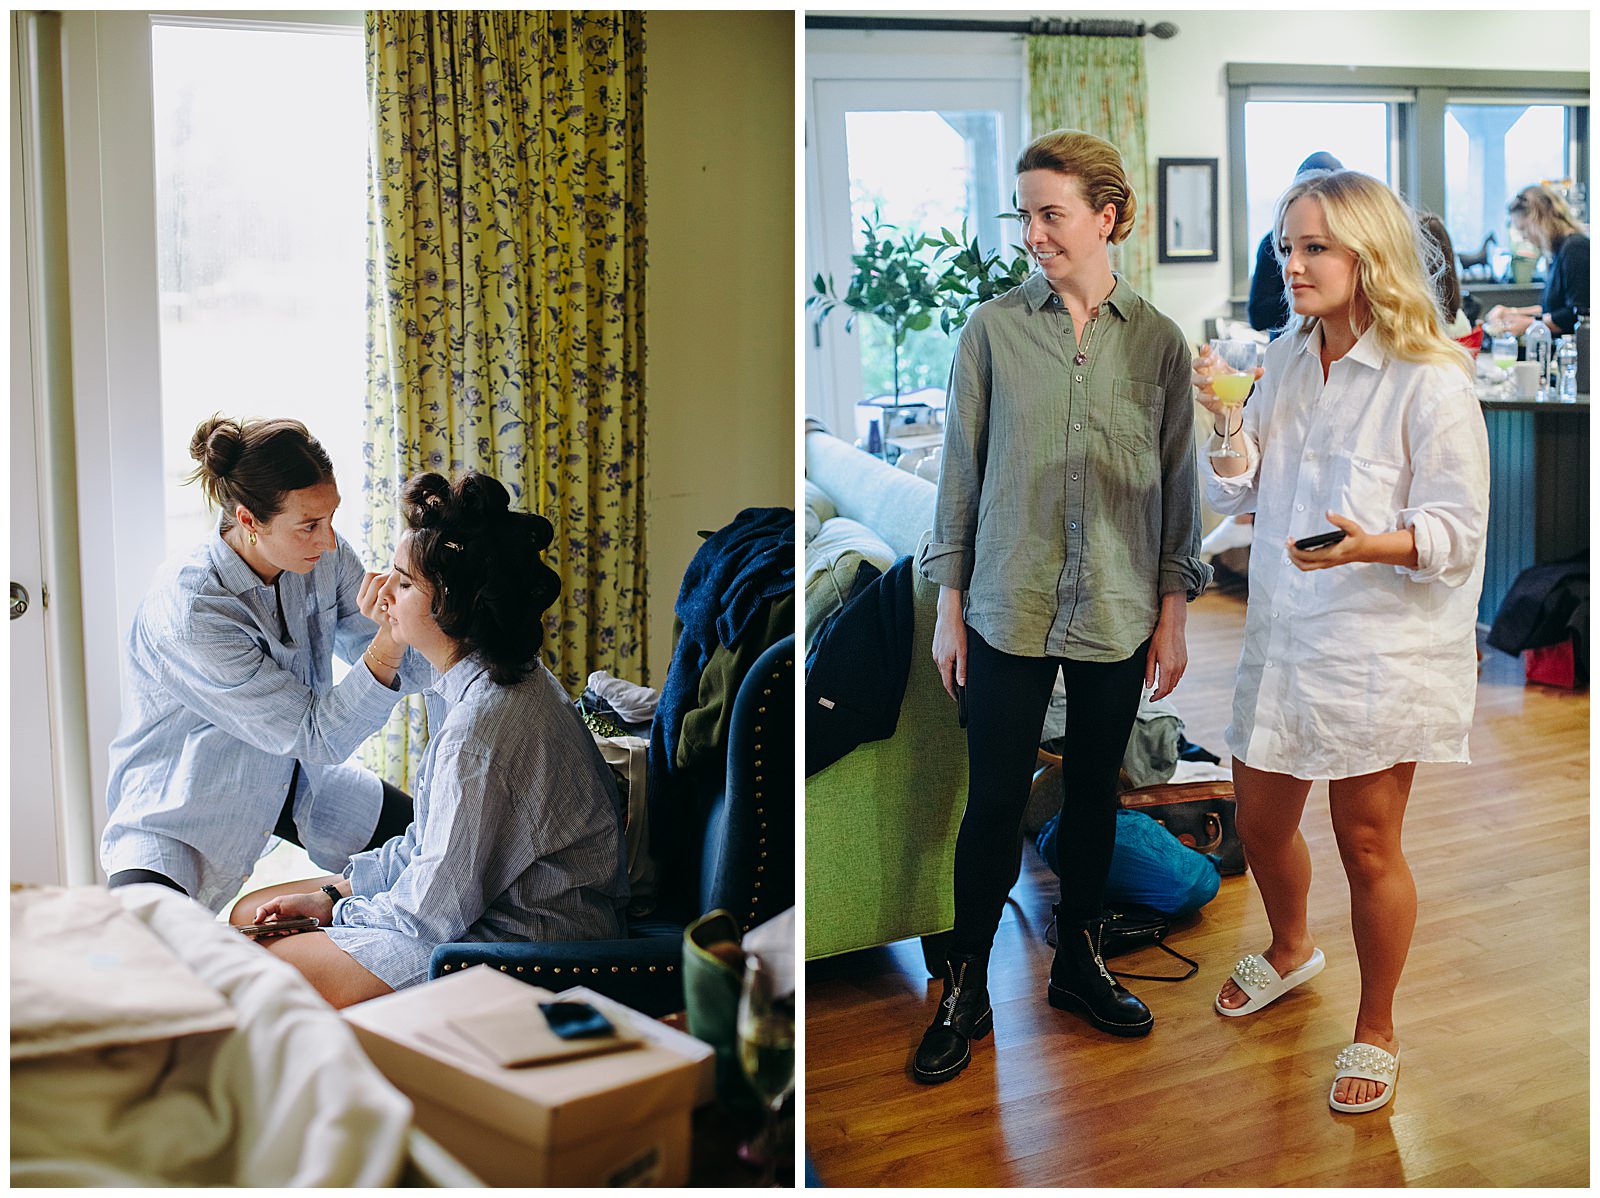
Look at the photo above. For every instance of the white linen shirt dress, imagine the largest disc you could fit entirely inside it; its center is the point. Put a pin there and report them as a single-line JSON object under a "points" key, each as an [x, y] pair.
{"points": [[1350, 670]]}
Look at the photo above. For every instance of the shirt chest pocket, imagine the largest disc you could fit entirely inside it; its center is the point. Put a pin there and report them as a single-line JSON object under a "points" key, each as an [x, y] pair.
{"points": [[1367, 489], [1135, 413]]}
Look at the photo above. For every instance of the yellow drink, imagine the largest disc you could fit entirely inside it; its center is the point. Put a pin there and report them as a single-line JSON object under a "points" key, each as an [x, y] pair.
{"points": [[1505, 363], [1231, 389]]}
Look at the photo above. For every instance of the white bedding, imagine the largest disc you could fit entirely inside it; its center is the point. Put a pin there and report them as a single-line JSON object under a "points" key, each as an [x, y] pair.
{"points": [[283, 1098]]}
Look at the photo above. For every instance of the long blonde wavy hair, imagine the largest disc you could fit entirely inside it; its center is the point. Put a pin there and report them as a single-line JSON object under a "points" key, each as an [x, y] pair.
{"points": [[1395, 263]]}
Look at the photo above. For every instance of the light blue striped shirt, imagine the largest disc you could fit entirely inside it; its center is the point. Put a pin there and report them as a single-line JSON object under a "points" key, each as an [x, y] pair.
{"points": [[219, 706], [517, 834]]}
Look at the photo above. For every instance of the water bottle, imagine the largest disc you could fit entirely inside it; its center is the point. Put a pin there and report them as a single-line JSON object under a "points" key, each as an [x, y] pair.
{"points": [[1567, 363], [1536, 348]]}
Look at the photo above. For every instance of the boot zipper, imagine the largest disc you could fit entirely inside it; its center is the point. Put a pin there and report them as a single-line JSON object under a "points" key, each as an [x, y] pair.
{"points": [[1099, 964], [955, 993]]}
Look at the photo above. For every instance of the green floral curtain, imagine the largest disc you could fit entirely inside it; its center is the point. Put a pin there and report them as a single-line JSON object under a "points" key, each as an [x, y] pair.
{"points": [[1097, 84], [505, 301]]}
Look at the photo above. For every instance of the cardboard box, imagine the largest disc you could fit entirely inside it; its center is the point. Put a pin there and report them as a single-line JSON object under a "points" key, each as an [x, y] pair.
{"points": [[621, 1118]]}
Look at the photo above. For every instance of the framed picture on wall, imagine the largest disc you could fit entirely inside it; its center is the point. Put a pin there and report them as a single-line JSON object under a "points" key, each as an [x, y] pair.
{"points": [[1187, 190]]}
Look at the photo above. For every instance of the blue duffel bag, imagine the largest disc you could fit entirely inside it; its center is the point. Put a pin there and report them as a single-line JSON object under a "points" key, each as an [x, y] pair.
{"points": [[1149, 866]]}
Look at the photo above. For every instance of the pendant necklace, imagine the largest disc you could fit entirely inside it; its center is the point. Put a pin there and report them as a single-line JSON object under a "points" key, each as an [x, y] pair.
{"points": [[1082, 356]]}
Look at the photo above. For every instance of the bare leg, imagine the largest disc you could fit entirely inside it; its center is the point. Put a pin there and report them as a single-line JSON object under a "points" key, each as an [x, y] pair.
{"points": [[244, 911], [334, 972], [1367, 814], [1268, 819]]}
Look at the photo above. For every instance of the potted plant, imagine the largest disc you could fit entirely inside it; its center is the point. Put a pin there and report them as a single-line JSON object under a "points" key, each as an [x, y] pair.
{"points": [[892, 282]]}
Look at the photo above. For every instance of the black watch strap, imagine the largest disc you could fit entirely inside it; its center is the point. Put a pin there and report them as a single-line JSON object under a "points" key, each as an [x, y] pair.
{"points": [[332, 892]]}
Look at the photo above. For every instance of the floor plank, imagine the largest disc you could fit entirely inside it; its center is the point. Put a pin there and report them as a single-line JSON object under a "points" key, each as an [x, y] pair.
{"points": [[1500, 853]]}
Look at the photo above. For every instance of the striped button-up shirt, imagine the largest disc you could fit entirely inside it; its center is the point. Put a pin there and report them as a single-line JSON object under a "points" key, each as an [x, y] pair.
{"points": [[517, 834], [1067, 500], [223, 697]]}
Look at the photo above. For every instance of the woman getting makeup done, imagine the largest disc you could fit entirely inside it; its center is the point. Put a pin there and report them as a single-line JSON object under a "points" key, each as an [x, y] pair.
{"points": [[518, 828], [233, 730]]}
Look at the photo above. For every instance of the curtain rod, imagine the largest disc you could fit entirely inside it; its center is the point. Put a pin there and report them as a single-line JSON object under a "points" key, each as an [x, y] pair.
{"points": [[1049, 26]]}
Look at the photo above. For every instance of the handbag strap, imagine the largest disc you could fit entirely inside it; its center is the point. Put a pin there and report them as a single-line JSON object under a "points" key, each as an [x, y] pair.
{"points": [[1194, 968]]}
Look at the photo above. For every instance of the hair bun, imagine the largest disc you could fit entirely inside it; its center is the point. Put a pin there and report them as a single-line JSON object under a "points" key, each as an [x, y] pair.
{"points": [[217, 444], [425, 500], [480, 499], [541, 531]]}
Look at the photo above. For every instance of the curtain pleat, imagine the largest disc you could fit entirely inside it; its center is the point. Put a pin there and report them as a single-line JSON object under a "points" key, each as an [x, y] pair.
{"points": [[1097, 84], [506, 262]]}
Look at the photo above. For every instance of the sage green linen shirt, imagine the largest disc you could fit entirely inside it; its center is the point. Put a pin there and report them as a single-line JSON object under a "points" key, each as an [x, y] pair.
{"points": [[1067, 501]]}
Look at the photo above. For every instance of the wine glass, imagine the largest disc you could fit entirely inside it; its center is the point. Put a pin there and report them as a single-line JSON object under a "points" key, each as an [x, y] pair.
{"points": [[1231, 382], [1503, 353], [766, 1052]]}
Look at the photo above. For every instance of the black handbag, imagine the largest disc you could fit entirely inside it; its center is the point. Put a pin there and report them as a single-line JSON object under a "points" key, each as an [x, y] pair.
{"points": [[1124, 929]]}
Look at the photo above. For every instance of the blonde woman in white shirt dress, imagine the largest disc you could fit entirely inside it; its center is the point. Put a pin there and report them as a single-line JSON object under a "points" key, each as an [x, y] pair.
{"points": [[1359, 657]]}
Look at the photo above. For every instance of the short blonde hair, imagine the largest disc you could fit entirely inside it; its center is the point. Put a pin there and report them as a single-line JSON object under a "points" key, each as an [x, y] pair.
{"points": [[1545, 215], [1395, 262], [1097, 166]]}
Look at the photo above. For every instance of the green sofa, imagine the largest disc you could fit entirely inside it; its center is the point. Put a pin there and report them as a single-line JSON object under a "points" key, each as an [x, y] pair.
{"points": [[881, 822]]}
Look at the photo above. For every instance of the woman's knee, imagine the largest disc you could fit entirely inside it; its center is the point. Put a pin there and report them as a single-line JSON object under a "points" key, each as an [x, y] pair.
{"points": [[1370, 853]]}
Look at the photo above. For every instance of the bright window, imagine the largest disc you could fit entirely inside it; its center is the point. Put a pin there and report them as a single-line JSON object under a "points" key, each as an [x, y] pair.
{"points": [[1491, 152], [260, 154], [1280, 134]]}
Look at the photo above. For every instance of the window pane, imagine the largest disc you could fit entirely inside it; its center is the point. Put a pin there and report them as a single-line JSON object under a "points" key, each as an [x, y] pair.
{"points": [[1281, 134], [1491, 152], [922, 171], [261, 234]]}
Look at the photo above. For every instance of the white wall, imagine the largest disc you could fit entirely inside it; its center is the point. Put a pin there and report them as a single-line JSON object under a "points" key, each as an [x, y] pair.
{"points": [[1186, 79]]}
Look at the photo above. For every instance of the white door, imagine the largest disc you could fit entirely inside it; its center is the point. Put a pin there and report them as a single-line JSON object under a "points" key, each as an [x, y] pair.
{"points": [[35, 842]]}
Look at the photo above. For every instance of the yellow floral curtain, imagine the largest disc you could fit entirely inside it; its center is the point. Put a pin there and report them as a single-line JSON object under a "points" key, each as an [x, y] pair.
{"points": [[1097, 84], [505, 301]]}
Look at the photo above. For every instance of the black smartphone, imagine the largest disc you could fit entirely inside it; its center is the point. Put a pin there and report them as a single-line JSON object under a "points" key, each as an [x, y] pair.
{"points": [[1321, 539], [300, 923], [576, 1020], [961, 706]]}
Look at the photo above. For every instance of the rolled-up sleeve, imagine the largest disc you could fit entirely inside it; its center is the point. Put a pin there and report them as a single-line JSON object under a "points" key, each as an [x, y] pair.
{"points": [[1236, 495], [1447, 507], [1180, 567], [948, 558]]}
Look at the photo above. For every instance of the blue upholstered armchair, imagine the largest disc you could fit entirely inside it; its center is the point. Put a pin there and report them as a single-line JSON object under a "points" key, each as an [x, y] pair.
{"points": [[739, 858]]}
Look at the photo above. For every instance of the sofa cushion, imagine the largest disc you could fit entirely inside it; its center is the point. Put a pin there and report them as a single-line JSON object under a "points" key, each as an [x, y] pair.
{"points": [[832, 558], [819, 509]]}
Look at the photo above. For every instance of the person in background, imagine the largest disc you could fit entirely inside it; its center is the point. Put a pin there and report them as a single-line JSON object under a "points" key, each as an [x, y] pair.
{"points": [[233, 730], [1541, 216], [1066, 529], [518, 828], [1269, 304], [1446, 280], [1359, 656]]}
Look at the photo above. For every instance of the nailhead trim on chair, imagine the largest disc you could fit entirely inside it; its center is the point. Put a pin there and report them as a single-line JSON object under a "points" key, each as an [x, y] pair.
{"points": [[575, 968]]}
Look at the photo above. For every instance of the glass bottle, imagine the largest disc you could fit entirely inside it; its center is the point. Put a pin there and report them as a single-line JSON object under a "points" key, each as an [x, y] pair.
{"points": [[1536, 344]]}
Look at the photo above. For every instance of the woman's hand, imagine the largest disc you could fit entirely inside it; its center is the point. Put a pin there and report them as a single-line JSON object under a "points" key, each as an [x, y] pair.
{"points": [[1207, 364], [1168, 657], [950, 641], [1501, 320], [1397, 548], [315, 903], [367, 598]]}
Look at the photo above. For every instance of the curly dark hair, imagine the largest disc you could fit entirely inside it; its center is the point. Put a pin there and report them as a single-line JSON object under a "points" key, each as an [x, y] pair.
{"points": [[482, 561]]}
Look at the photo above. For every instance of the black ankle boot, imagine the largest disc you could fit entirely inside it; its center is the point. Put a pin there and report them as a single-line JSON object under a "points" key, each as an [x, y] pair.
{"points": [[964, 1015], [1081, 983]]}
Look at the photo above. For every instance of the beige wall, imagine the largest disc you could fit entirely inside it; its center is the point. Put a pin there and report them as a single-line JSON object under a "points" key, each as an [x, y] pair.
{"points": [[719, 148]]}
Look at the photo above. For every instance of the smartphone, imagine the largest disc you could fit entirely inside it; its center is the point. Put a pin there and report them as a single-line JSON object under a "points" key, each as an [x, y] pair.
{"points": [[300, 923], [1321, 539], [576, 1020], [961, 705]]}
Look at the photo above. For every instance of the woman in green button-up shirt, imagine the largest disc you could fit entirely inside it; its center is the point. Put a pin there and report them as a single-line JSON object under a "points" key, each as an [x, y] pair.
{"points": [[1065, 537]]}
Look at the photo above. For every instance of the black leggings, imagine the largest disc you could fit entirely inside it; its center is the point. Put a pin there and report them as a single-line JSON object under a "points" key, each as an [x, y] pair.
{"points": [[1007, 697], [392, 820]]}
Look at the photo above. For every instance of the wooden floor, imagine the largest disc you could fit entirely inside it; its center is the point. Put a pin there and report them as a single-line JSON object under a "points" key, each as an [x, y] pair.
{"points": [[1492, 1014]]}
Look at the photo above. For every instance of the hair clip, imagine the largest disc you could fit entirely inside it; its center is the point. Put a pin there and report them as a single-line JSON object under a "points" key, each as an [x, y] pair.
{"points": [[452, 545]]}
